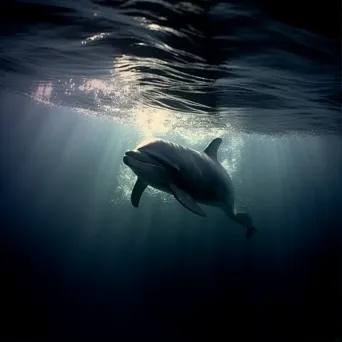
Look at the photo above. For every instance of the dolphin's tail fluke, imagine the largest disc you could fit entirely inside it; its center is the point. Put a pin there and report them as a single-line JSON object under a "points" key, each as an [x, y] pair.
{"points": [[246, 221]]}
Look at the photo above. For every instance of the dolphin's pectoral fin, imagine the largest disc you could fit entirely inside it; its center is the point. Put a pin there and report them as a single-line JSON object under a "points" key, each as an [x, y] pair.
{"points": [[137, 191], [212, 148], [186, 200]]}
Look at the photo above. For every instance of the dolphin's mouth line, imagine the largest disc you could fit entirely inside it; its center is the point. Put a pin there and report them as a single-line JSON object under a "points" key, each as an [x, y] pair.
{"points": [[142, 161], [139, 160]]}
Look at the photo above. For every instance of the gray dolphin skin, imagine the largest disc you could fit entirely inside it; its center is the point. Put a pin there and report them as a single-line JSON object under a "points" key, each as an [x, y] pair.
{"points": [[191, 176]]}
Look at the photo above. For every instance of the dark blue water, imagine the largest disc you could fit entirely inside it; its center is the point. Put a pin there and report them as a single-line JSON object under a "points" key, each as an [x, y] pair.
{"points": [[82, 82]]}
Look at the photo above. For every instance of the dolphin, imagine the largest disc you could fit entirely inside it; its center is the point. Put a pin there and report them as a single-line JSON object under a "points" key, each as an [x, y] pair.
{"points": [[191, 176]]}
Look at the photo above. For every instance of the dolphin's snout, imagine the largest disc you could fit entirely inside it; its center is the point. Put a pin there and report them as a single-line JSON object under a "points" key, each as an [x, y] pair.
{"points": [[137, 156], [131, 154], [125, 159]]}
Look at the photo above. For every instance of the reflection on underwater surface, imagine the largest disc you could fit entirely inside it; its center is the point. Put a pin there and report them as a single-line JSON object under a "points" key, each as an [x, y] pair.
{"points": [[209, 64]]}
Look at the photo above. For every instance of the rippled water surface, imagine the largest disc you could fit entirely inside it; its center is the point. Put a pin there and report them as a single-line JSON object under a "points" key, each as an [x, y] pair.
{"points": [[228, 65]]}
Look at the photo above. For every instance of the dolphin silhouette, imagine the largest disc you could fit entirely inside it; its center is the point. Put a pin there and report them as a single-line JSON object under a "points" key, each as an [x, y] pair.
{"points": [[190, 176]]}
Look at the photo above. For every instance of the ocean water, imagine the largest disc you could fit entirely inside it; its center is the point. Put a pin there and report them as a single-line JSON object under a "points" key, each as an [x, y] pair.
{"points": [[84, 81]]}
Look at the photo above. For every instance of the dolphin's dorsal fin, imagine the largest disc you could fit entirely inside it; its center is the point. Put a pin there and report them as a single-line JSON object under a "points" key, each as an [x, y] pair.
{"points": [[212, 148]]}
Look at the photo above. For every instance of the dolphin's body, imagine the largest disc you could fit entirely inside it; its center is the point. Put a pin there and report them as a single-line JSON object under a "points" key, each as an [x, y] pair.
{"points": [[191, 176]]}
